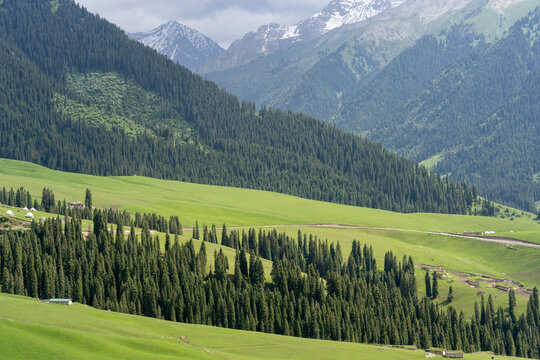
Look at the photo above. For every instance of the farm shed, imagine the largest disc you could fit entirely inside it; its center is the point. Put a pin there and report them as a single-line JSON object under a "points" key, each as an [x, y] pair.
{"points": [[59, 301], [453, 354]]}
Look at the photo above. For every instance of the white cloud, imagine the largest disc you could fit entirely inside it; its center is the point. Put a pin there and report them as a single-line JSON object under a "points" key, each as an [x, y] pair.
{"points": [[223, 21]]}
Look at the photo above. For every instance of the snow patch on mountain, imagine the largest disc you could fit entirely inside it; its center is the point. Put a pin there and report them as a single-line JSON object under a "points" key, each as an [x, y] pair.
{"points": [[291, 32], [346, 12]]}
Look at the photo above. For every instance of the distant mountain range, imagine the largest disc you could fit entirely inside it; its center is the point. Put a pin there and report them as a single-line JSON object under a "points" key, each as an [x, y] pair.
{"points": [[316, 75], [184, 45], [273, 38]]}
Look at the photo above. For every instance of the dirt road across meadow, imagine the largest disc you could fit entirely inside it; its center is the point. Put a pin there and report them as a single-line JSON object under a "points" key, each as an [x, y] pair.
{"points": [[494, 239]]}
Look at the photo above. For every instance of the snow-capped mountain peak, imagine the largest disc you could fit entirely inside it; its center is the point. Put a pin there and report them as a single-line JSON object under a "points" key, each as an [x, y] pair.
{"points": [[182, 44], [345, 12], [274, 37]]}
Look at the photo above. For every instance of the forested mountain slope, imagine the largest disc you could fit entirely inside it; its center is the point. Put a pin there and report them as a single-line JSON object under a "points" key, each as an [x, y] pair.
{"points": [[471, 104], [227, 143], [387, 78]]}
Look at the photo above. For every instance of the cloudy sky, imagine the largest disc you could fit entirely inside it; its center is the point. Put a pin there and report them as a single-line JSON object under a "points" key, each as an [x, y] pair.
{"points": [[222, 20]]}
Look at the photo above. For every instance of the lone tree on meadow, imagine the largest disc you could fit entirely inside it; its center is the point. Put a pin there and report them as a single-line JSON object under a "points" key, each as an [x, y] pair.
{"points": [[450, 297]]}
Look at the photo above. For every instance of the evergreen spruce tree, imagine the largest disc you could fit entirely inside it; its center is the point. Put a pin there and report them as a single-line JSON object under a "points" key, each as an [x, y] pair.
{"points": [[512, 305], [100, 226], [196, 230], [435, 287], [28, 200], [88, 199], [243, 264], [238, 278], [224, 236], [428, 284], [450, 297]]}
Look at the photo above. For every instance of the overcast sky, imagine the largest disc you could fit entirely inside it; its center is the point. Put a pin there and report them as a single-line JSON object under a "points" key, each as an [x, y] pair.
{"points": [[222, 20]]}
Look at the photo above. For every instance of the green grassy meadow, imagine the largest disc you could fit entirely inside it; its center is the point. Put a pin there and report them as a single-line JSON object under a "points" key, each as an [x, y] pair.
{"points": [[245, 208], [30, 329], [233, 206]]}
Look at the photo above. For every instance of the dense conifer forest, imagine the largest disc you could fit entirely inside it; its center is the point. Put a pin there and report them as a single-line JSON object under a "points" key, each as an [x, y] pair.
{"points": [[314, 292], [230, 143]]}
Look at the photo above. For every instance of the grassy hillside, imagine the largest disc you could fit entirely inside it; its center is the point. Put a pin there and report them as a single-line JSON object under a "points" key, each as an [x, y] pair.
{"points": [[33, 330], [234, 206], [244, 208], [453, 257]]}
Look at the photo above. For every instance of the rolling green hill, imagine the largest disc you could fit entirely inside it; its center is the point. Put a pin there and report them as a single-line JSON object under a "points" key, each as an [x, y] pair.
{"points": [[247, 208], [136, 275], [235, 206], [30, 329], [487, 263]]}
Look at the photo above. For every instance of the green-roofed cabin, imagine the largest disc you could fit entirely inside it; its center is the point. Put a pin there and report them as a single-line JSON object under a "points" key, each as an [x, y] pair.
{"points": [[59, 301]]}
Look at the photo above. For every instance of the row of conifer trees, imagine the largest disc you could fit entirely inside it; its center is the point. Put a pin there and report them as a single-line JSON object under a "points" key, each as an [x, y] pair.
{"points": [[314, 291]]}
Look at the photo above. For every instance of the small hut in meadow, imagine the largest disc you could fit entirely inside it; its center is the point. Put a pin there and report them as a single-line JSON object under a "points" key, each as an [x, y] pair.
{"points": [[59, 301], [453, 354]]}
